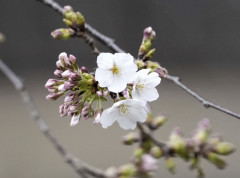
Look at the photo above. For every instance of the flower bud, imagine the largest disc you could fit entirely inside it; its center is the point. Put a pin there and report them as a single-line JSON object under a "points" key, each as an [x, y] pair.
{"points": [[216, 160], [62, 33], [54, 96], [157, 122], [148, 36], [99, 93], [224, 148], [128, 170], [58, 73], [105, 93], [73, 19], [84, 69], [72, 59], [148, 163], [162, 72], [170, 163], [138, 152], [178, 144], [130, 138], [140, 64], [156, 152], [69, 85]]}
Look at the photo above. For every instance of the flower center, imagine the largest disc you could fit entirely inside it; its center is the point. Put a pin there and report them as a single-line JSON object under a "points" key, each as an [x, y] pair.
{"points": [[115, 70], [140, 86], [123, 109]]}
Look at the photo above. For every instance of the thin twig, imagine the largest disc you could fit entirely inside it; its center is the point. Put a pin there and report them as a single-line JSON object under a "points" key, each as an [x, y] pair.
{"points": [[150, 136], [205, 103], [81, 168]]}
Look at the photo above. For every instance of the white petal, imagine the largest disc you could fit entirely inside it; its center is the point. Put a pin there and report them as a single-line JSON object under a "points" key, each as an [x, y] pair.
{"points": [[108, 117], [74, 120], [104, 77], [105, 60], [143, 72], [153, 79], [150, 94], [126, 123], [123, 59], [118, 84]]}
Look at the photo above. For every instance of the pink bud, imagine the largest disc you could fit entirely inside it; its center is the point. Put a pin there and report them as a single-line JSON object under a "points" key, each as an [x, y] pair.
{"points": [[58, 73], [67, 73], [148, 163], [72, 59], [50, 83], [105, 93], [99, 93], [84, 69]]}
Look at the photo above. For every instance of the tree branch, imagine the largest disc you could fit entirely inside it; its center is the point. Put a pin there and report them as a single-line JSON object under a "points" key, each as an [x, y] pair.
{"points": [[205, 103], [109, 42], [81, 168]]}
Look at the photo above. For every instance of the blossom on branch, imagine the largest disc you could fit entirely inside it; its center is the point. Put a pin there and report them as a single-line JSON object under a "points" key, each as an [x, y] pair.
{"points": [[126, 112], [144, 85], [115, 71]]}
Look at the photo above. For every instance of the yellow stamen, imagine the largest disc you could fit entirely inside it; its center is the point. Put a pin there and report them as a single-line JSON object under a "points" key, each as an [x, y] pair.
{"points": [[123, 109], [115, 70]]}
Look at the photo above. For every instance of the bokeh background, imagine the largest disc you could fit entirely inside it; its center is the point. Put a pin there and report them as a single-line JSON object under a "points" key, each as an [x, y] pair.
{"points": [[197, 40]]}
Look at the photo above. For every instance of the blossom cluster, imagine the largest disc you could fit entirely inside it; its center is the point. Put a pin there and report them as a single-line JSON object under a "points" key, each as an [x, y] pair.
{"points": [[116, 74]]}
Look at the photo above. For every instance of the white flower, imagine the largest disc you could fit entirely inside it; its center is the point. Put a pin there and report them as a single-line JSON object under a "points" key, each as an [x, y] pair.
{"points": [[126, 112], [74, 120], [144, 85], [115, 71]]}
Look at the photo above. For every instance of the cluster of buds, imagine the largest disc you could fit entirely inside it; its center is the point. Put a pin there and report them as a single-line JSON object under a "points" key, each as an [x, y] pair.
{"points": [[79, 87], [201, 144], [145, 51], [74, 20]]}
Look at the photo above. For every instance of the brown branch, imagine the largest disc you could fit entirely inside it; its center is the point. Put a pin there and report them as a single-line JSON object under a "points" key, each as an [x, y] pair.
{"points": [[81, 168], [205, 103]]}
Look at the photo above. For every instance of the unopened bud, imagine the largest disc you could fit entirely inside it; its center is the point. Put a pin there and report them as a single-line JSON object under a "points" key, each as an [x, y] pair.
{"points": [[157, 122], [224, 148], [138, 152], [216, 160], [156, 152], [140, 64], [54, 96], [62, 33], [72, 59], [130, 138], [105, 93], [170, 163], [148, 163], [162, 72], [58, 73], [128, 170], [84, 69]]}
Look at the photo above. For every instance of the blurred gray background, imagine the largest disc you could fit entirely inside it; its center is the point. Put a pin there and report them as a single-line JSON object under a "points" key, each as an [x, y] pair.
{"points": [[197, 40]]}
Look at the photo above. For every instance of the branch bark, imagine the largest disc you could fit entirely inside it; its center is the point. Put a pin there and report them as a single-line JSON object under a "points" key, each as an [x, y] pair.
{"points": [[81, 168]]}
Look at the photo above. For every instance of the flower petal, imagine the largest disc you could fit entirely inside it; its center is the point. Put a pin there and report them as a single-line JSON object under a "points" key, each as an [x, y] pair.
{"points": [[150, 94], [74, 120], [104, 77], [153, 79], [108, 117], [118, 84], [105, 60], [126, 123]]}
